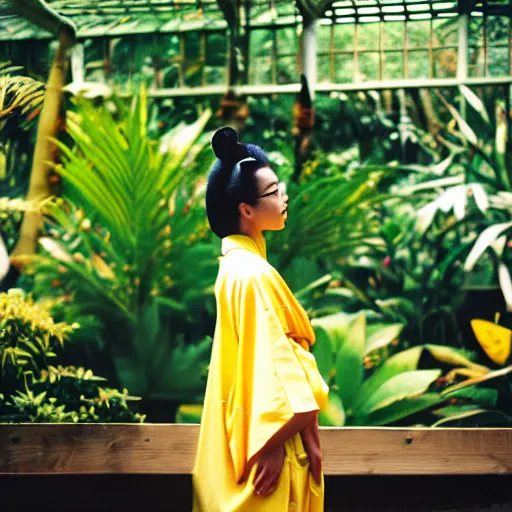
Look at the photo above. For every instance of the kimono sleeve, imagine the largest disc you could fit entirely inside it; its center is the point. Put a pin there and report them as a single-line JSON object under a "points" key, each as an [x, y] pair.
{"points": [[270, 384]]}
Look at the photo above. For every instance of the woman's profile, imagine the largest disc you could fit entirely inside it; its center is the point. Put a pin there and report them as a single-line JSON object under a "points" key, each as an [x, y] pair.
{"points": [[259, 448]]}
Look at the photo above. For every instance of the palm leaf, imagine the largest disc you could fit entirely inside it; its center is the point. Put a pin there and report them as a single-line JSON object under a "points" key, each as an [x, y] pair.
{"points": [[18, 94], [328, 218]]}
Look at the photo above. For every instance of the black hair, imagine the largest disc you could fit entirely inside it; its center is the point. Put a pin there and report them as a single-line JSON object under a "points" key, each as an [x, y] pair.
{"points": [[231, 181]]}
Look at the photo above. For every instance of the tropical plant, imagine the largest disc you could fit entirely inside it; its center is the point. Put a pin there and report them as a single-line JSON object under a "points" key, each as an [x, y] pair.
{"points": [[484, 398], [328, 217], [20, 95], [472, 185], [125, 255], [20, 104], [35, 390], [370, 386], [403, 276]]}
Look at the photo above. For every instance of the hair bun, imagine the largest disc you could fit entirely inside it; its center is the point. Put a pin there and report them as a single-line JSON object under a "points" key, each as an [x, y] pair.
{"points": [[226, 145]]}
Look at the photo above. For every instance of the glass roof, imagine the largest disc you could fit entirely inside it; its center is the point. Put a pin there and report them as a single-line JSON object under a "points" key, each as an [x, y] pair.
{"points": [[114, 18]]}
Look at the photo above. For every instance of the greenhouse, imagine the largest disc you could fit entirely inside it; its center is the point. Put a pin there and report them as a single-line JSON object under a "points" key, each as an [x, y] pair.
{"points": [[387, 127]]}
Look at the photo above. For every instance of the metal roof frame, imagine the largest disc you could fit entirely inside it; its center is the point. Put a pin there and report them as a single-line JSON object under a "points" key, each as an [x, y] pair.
{"points": [[116, 18]]}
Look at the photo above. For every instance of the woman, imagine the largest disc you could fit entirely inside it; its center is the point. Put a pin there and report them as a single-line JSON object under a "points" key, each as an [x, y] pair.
{"points": [[259, 448]]}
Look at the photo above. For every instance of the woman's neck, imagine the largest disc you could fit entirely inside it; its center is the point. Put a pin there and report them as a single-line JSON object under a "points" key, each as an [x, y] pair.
{"points": [[257, 237]]}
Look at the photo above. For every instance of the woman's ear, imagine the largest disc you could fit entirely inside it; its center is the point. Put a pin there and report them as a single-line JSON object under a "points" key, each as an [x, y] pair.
{"points": [[245, 210]]}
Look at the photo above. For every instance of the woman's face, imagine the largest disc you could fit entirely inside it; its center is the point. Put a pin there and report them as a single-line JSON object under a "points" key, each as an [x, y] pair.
{"points": [[272, 209]]}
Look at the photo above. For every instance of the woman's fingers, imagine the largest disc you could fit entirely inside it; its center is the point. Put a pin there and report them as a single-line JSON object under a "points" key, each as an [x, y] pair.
{"points": [[270, 465], [315, 466], [266, 482]]}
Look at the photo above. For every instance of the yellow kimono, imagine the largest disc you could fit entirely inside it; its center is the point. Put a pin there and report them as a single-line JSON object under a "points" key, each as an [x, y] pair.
{"points": [[261, 373]]}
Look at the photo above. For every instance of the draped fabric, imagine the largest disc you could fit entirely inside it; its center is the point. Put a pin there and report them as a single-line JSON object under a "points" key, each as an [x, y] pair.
{"points": [[261, 374]]}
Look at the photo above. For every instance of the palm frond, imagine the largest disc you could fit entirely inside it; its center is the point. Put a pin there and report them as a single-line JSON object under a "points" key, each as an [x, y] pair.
{"points": [[329, 217], [19, 95]]}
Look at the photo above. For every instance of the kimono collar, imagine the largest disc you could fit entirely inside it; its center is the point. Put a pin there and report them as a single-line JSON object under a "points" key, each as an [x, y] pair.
{"points": [[244, 242]]}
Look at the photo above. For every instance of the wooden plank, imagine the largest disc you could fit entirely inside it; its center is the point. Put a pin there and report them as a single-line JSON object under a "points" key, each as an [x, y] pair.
{"points": [[170, 449]]}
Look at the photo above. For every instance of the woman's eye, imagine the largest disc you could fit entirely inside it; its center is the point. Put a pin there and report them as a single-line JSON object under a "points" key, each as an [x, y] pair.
{"points": [[275, 192]]}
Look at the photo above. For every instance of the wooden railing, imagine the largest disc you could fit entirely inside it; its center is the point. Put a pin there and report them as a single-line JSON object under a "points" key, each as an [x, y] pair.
{"points": [[170, 449]]}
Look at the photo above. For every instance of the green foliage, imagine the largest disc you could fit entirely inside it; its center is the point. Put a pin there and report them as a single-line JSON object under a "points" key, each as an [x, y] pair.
{"points": [[468, 193], [21, 100], [124, 256], [35, 390], [19, 95], [370, 384], [396, 390], [328, 217]]}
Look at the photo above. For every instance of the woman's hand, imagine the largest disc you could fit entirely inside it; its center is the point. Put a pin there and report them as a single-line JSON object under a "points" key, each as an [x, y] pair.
{"points": [[270, 464], [311, 441]]}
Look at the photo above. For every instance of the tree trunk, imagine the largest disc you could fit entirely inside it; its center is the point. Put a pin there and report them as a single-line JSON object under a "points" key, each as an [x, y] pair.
{"points": [[45, 150]]}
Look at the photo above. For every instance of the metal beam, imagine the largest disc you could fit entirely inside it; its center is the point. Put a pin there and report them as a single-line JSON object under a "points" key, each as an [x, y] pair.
{"points": [[258, 90]]}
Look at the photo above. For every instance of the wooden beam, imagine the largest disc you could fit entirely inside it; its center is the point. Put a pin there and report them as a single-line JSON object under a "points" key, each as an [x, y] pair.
{"points": [[255, 90], [170, 449]]}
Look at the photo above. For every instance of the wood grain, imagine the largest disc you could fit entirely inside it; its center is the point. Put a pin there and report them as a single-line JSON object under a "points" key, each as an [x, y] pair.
{"points": [[170, 449]]}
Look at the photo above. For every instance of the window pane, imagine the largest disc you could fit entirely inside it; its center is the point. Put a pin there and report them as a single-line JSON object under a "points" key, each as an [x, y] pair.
{"points": [[498, 63], [344, 68], [497, 30], [418, 33], [393, 65], [344, 36], [323, 70], [445, 63], [323, 35], [393, 35], [287, 70], [215, 75], [476, 31], [369, 36], [286, 41], [216, 49], [445, 32], [476, 62], [418, 64], [192, 45], [260, 60], [368, 66]]}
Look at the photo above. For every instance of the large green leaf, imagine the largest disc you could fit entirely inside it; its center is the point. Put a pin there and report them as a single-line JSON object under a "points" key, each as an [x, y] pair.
{"points": [[484, 240], [505, 284], [324, 353], [182, 376], [399, 410], [470, 417], [453, 356], [485, 397], [333, 327], [475, 102], [488, 378], [463, 125], [381, 335], [349, 363], [405, 385], [404, 361]]}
